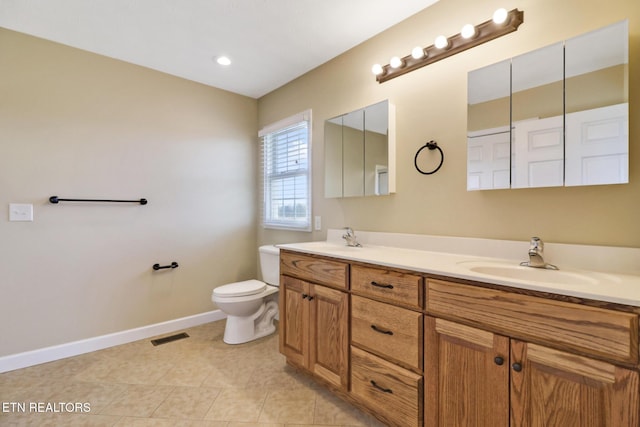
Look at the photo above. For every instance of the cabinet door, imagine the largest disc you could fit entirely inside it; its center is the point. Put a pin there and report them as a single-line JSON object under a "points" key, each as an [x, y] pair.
{"points": [[329, 344], [466, 373], [554, 388], [294, 320]]}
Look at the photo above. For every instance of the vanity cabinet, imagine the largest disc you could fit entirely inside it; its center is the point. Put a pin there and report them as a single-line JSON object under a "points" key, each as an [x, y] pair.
{"points": [[498, 358], [417, 350], [314, 318]]}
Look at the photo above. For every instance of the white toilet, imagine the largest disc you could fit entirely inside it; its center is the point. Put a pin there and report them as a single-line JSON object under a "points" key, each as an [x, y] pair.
{"points": [[252, 305]]}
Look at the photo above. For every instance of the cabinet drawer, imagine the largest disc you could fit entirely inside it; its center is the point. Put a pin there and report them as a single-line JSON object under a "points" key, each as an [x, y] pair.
{"points": [[599, 332], [386, 330], [387, 285], [315, 269], [392, 392]]}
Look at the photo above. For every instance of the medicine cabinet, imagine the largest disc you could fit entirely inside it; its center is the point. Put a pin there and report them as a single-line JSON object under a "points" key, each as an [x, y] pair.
{"points": [[360, 152], [556, 116]]}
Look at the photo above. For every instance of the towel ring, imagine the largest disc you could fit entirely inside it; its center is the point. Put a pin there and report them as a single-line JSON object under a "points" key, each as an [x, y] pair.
{"points": [[431, 145]]}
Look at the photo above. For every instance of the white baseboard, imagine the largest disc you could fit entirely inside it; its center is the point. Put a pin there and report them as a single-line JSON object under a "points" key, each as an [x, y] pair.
{"points": [[56, 352]]}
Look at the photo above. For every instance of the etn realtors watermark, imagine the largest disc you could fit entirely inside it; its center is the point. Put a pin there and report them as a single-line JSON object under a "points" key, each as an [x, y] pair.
{"points": [[46, 407]]}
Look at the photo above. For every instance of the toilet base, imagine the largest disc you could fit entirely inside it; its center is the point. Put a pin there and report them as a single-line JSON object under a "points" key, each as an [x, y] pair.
{"points": [[240, 330]]}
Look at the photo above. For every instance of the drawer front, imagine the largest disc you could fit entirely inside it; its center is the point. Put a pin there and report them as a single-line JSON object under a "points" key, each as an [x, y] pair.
{"points": [[389, 331], [314, 269], [387, 285], [392, 392], [599, 332]]}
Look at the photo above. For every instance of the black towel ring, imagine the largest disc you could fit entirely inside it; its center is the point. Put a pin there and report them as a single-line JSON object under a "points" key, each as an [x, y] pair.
{"points": [[431, 145]]}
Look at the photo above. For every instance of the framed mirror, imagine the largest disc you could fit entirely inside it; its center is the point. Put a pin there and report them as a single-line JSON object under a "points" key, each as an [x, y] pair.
{"points": [[360, 152]]}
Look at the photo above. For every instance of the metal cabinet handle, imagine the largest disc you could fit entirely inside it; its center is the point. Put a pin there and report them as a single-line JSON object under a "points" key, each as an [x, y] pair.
{"points": [[498, 360], [380, 330], [305, 296], [517, 367], [385, 390], [381, 285]]}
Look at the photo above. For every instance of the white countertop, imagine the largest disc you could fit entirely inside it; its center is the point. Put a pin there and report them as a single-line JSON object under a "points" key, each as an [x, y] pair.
{"points": [[609, 287]]}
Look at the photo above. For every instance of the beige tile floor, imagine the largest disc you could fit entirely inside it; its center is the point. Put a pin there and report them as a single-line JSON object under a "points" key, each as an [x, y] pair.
{"points": [[194, 382]]}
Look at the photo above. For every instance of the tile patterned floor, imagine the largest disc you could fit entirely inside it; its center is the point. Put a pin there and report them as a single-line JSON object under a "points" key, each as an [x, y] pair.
{"points": [[194, 382]]}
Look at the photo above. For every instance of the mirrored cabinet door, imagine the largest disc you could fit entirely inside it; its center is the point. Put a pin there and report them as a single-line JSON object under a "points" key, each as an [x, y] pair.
{"points": [[376, 149], [488, 134], [333, 157], [597, 112], [537, 107], [353, 154]]}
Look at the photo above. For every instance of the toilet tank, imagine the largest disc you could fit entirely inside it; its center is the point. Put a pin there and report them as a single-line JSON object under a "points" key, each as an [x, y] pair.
{"points": [[270, 264]]}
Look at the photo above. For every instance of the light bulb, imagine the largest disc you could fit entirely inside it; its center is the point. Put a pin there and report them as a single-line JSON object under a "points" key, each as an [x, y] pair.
{"points": [[500, 16], [468, 31], [441, 42], [417, 52], [395, 62], [377, 69]]}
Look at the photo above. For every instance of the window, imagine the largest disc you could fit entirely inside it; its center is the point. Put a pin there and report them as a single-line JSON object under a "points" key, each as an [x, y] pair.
{"points": [[286, 167]]}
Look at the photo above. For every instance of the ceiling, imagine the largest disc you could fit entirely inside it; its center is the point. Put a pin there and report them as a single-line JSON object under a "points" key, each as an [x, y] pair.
{"points": [[270, 42]]}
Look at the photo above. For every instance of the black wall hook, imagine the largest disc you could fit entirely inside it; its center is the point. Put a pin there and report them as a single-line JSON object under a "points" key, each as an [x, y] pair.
{"points": [[431, 145], [160, 267]]}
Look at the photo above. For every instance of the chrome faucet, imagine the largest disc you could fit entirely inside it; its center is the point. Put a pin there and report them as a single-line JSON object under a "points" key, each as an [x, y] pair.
{"points": [[536, 255], [350, 237]]}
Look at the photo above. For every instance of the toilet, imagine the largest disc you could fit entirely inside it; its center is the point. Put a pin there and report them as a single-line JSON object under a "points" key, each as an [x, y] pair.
{"points": [[251, 305]]}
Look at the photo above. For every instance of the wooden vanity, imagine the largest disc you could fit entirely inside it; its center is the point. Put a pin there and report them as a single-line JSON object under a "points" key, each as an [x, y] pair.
{"points": [[416, 349]]}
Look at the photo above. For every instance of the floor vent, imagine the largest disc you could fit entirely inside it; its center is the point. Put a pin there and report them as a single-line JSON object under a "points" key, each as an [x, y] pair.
{"points": [[169, 338]]}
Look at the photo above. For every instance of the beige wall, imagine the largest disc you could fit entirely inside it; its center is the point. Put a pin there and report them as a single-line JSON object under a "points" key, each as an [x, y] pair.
{"points": [[431, 104], [79, 125]]}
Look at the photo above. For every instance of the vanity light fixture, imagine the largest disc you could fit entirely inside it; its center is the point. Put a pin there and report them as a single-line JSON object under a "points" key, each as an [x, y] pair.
{"points": [[502, 23]]}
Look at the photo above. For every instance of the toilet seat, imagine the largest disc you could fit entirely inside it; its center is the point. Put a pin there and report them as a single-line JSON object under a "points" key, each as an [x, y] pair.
{"points": [[240, 289]]}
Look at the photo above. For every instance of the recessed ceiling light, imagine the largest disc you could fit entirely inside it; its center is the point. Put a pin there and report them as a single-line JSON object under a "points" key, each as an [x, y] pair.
{"points": [[223, 60]]}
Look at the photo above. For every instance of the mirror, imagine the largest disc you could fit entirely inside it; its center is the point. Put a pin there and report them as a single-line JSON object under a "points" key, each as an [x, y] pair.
{"points": [[353, 154], [489, 138], [537, 104], [360, 152], [555, 116], [597, 107]]}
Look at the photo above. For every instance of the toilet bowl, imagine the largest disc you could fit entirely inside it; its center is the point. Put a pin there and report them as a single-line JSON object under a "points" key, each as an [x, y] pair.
{"points": [[251, 305]]}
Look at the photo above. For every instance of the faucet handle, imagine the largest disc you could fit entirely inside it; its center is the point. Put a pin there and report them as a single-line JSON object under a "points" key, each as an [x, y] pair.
{"points": [[536, 243]]}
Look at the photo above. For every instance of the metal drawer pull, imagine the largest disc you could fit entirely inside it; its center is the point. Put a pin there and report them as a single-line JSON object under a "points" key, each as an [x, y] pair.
{"points": [[379, 285], [385, 390], [382, 331]]}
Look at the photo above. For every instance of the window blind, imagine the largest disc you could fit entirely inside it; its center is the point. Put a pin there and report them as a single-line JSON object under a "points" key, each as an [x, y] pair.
{"points": [[286, 174]]}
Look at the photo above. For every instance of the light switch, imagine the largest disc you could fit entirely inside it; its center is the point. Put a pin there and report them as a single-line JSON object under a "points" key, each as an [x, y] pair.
{"points": [[318, 223], [20, 212]]}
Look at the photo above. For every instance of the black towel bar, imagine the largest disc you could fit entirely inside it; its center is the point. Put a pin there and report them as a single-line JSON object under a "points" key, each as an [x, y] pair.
{"points": [[56, 199], [160, 267]]}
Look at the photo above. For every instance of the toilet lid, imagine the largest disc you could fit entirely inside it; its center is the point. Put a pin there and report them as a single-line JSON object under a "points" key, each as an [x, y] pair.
{"points": [[240, 289]]}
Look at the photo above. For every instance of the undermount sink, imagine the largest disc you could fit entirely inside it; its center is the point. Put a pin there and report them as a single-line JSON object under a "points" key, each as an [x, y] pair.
{"points": [[540, 275]]}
